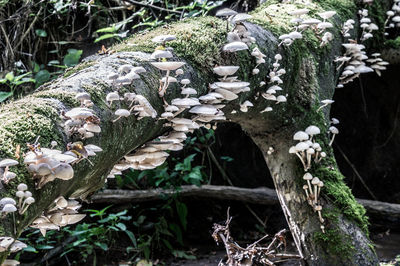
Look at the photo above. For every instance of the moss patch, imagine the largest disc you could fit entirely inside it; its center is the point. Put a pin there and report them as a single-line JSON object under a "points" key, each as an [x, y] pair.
{"points": [[334, 242], [78, 68], [395, 44], [198, 40]]}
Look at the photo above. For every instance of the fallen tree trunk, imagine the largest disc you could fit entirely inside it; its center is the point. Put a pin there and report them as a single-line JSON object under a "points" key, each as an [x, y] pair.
{"points": [[385, 214], [310, 77]]}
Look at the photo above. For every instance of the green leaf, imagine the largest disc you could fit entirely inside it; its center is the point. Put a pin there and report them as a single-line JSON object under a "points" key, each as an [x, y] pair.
{"points": [[109, 29], [4, 95], [72, 58], [131, 237], [36, 67], [44, 247], [178, 232], [181, 208], [106, 36], [103, 246], [42, 76], [41, 33], [10, 76], [121, 226], [30, 249]]}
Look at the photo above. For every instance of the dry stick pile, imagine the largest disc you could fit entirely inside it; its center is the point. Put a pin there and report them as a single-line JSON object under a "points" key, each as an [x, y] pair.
{"points": [[253, 254]]}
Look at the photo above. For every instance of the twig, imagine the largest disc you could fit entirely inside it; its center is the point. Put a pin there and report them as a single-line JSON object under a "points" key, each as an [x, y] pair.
{"points": [[29, 28], [356, 172], [152, 6]]}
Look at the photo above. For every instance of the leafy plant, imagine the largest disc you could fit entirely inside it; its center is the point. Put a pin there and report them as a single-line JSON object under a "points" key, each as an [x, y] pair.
{"points": [[12, 82]]}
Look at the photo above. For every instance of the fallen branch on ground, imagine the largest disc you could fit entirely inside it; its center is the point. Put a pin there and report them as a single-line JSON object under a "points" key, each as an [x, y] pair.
{"points": [[382, 212]]}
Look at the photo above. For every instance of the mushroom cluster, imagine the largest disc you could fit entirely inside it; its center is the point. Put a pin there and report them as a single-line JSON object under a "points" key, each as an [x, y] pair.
{"points": [[10, 244], [259, 59], [347, 27], [65, 212], [136, 104], [393, 16], [125, 76], [307, 149], [377, 63], [275, 82], [81, 121], [312, 190], [7, 205], [48, 164], [367, 26], [25, 198], [5, 173], [354, 62], [240, 32]]}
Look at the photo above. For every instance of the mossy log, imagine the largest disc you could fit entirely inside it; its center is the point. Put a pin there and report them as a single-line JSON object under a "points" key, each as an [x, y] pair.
{"points": [[311, 76]]}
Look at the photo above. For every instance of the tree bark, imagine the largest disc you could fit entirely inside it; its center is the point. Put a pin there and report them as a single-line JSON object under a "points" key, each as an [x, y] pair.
{"points": [[311, 76]]}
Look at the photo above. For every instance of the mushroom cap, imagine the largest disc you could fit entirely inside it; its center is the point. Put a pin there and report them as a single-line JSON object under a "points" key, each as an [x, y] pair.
{"points": [[17, 246], [185, 102], [72, 218], [327, 14], [8, 162], [61, 202], [93, 148], [9, 262], [240, 17], [122, 112], [281, 99], [312, 130], [228, 95], [27, 194], [300, 135], [22, 187], [64, 171], [301, 146], [79, 113], [185, 81], [235, 46], [225, 12], [82, 96], [92, 127], [318, 208], [161, 54], [171, 108], [163, 38], [188, 91], [19, 194], [225, 70], [307, 176], [204, 109], [315, 181], [327, 101], [5, 242], [311, 21], [29, 200], [232, 85], [298, 12], [324, 25], [170, 79], [295, 35], [333, 130], [9, 208], [169, 65]]}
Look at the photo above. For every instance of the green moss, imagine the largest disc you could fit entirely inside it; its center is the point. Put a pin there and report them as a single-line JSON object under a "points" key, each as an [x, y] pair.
{"points": [[334, 242], [198, 40], [78, 68], [66, 97], [395, 44]]}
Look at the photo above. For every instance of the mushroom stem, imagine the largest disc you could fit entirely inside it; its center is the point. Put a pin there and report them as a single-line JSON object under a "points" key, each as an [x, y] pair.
{"points": [[322, 106], [165, 86], [115, 120], [333, 137], [302, 161], [320, 217], [315, 194], [308, 161]]}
